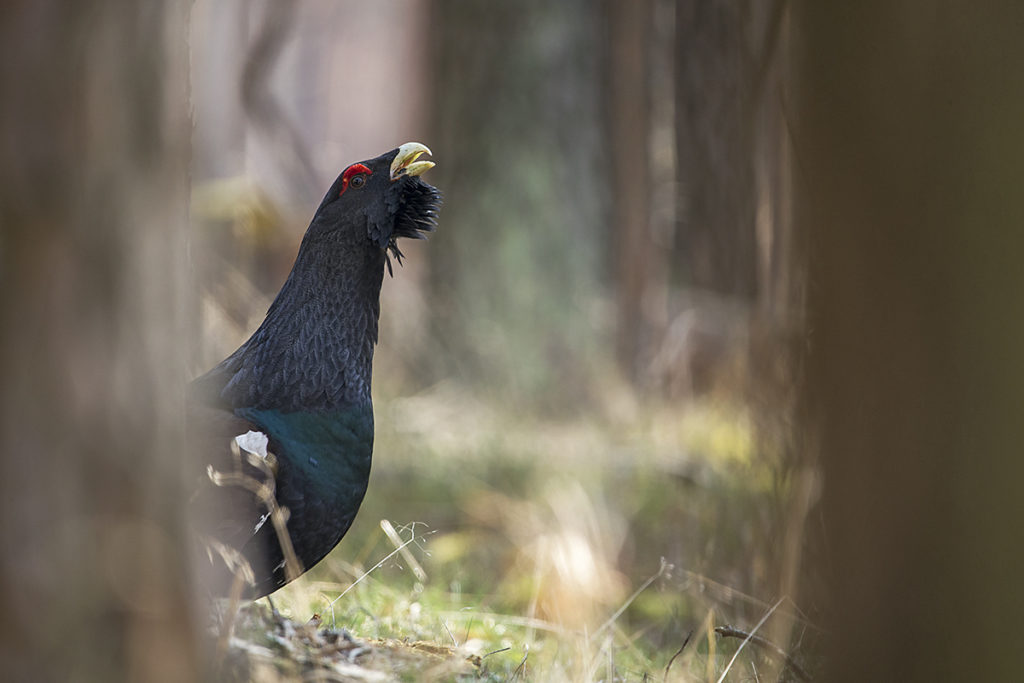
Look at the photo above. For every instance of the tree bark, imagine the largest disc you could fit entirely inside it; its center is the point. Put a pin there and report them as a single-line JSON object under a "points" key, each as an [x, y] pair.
{"points": [[94, 136], [909, 158]]}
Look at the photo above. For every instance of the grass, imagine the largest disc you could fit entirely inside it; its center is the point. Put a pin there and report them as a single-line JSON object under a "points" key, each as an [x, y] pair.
{"points": [[529, 549]]}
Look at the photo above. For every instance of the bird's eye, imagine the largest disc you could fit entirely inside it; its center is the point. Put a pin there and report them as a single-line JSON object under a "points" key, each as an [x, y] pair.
{"points": [[354, 176]]}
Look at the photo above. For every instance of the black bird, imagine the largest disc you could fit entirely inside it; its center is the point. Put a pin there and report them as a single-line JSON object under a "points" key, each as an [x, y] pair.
{"points": [[295, 397]]}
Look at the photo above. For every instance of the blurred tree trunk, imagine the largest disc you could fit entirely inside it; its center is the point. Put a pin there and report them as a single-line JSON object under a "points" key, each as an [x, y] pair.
{"points": [[716, 111], [93, 170], [910, 156], [726, 293], [629, 134]]}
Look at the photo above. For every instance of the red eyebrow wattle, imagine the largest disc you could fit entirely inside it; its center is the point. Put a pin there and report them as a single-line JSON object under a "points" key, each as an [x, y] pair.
{"points": [[354, 169]]}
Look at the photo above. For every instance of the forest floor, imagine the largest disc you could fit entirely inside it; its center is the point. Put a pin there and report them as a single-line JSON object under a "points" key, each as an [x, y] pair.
{"points": [[541, 549]]}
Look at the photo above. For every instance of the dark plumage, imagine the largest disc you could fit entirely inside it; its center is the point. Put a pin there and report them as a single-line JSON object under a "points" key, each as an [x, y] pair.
{"points": [[303, 380]]}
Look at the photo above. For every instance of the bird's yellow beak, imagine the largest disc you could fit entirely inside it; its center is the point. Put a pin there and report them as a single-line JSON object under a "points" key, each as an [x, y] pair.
{"points": [[405, 161]]}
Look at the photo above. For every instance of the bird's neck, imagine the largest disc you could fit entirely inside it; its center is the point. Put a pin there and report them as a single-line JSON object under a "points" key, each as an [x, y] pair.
{"points": [[314, 350]]}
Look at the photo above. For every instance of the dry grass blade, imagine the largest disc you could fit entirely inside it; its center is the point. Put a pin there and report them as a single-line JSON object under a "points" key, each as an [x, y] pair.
{"points": [[662, 571], [450, 634], [509, 619], [686, 641], [412, 539], [522, 665]]}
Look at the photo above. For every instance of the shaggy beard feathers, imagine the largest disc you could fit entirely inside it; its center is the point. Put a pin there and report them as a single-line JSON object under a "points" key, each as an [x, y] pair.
{"points": [[416, 218]]}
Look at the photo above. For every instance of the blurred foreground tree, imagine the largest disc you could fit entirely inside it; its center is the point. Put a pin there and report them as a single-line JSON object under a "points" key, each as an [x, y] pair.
{"points": [[93, 202], [910, 153]]}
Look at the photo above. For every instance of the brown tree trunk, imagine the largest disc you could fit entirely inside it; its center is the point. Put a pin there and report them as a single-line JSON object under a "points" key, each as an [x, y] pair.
{"points": [[909, 159], [629, 124], [93, 170], [716, 111]]}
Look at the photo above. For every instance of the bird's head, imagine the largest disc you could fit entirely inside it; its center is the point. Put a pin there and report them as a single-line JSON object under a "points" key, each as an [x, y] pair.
{"points": [[382, 199]]}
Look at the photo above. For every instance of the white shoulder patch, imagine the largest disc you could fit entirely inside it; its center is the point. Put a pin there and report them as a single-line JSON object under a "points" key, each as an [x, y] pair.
{"points": [[253, 442]]}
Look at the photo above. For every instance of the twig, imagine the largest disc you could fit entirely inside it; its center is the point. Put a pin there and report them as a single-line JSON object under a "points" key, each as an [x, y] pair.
{"points": [[744, 643], [410, 559], [686, 641], [265, 491], [279, 518], [227, 626], [765, 644]]}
